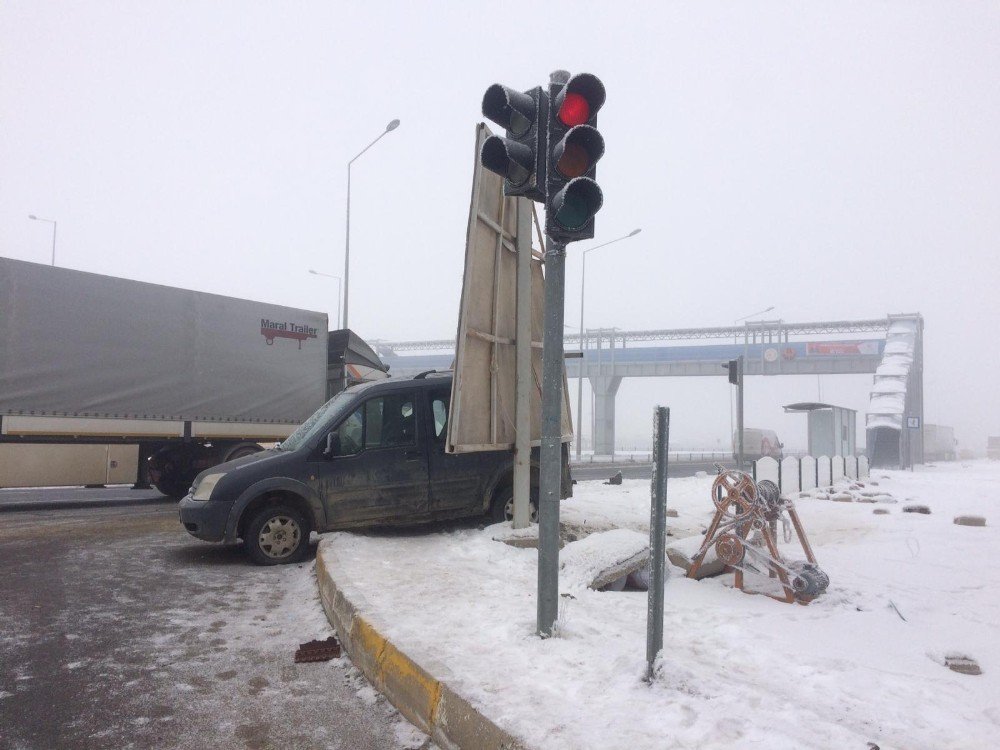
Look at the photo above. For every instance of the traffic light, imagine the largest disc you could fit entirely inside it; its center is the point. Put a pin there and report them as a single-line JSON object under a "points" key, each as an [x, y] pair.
{"points": [[520, 156], [734, 371], [574, 148]]}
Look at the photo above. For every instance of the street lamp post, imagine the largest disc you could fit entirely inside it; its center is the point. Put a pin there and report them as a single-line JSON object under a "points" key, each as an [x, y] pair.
{"points": [[738, 436], [53, 223], [751, 315], [347, 249], [579, 380], [339, 284]]}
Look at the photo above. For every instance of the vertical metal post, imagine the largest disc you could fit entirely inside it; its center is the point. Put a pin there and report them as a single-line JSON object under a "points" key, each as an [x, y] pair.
{"points": [[347, 244], [657, 537], [55, 225], [523, 380], [739, 411], [579, 380], [550, 475]]}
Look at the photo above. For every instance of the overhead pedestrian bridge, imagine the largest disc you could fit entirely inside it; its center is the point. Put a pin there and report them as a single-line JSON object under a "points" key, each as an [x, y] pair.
{"points": [[775, 347]]}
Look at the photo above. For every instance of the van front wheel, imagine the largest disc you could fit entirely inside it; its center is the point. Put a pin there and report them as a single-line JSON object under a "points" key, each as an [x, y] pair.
{"points": [[277, 535]]}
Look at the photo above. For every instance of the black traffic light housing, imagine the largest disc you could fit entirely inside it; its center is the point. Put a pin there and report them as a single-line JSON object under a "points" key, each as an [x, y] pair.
{"points": [[574, 147], [519, 157], [735, 374]]}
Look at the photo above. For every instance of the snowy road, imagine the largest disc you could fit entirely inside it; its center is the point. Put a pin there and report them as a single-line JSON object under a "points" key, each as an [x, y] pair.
{"points": [[119, 630]]}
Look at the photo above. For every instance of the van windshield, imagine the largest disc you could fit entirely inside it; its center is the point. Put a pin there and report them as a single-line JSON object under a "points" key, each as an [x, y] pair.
{"points": [[318, 422]]}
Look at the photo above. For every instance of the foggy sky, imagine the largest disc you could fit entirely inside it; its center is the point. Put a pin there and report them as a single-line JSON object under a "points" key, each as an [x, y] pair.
{"points": [[833, 160]]}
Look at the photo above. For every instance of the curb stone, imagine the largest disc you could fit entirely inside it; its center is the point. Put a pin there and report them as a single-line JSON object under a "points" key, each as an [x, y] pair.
{"points": [[418, 690]]}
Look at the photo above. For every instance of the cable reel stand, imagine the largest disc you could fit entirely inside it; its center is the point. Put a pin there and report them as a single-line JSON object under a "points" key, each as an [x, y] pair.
{"points": [[744, 534]]}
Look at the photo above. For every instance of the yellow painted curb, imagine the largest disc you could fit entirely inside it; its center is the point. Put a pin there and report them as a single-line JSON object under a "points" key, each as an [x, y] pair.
{"points": [[427, 701]]}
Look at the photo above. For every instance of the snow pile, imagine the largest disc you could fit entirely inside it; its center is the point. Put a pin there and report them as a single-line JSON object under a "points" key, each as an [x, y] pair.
{"points": [[850, 491], [737, 670]]}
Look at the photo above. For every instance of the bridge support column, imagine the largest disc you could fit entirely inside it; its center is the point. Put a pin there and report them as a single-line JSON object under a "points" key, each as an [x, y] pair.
{"points": [[605, 389]]}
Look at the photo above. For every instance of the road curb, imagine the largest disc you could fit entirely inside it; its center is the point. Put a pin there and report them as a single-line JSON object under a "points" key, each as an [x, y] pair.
{"points": [[420, 691], [39, 505]]}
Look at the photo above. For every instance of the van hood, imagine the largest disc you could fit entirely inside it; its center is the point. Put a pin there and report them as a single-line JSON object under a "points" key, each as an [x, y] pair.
{"points": [[254, 458]]}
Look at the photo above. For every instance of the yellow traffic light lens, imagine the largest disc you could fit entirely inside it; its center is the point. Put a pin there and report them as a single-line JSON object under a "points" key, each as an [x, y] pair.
{"points": [[575, 161]]}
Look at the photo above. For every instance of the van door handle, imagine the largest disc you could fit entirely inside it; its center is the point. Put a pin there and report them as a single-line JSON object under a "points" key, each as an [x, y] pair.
{"points": [[413, 455]]}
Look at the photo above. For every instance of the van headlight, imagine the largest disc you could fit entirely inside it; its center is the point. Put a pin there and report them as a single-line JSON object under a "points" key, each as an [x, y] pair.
{"points": [[204, 489]]}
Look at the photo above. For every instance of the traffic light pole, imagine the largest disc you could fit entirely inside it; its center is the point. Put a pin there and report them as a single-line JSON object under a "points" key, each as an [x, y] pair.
{"points": [[550, 474], [739, 412], [523, 382]]}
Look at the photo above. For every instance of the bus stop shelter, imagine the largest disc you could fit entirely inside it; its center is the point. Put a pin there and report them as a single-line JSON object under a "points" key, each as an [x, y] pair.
{"points": [[832, 429]]}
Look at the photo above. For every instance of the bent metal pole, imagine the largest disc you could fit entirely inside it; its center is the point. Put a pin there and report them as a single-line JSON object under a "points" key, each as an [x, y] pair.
{"points": [[550, 474]]}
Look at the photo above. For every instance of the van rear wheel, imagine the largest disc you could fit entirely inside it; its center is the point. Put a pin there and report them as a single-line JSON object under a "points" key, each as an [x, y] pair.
{"points": [[502, 507], [277, 535]]}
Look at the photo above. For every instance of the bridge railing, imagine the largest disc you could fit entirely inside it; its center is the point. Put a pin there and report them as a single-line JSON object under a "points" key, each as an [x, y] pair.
{"points": [[640, 457]]}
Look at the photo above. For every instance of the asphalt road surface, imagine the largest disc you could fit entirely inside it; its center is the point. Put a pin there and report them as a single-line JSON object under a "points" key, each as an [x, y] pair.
{"points": [[119, 630]]}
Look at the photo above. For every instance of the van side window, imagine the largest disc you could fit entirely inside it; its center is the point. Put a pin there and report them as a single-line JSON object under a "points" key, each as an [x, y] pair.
{"points": [[349, 436], [439, 409], [390, 421]]}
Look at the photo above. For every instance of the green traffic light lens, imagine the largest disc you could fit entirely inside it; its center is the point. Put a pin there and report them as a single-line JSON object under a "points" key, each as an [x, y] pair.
{"points": [[574, 212], [577, 203]]}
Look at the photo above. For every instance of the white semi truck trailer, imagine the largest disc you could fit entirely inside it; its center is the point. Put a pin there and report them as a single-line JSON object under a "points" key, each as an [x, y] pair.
{"points": [[939, 443], [191, 379]]}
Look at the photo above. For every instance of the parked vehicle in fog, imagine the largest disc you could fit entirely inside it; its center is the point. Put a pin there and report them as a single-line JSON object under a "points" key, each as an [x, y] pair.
{"points": [[758, 443], [373, 455]]}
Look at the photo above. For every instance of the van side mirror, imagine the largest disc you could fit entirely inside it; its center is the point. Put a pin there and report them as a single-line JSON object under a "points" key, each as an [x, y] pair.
{"points": [[332, 445]]}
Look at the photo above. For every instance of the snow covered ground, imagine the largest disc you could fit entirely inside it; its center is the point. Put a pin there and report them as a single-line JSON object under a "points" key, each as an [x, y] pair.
{"points": [[737, 670]]}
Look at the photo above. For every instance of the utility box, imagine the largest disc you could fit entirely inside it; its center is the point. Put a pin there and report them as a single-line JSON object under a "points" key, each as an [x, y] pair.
{"points": [[832, 429]]}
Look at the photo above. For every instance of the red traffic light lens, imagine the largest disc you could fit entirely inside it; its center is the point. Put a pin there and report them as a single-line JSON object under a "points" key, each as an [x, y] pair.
{"points": [[575, 110]]}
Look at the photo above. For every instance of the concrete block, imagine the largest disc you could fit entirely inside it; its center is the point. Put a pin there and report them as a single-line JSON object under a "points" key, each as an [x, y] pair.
{"points": [[963, 665], [970, 521], [681, 552]]}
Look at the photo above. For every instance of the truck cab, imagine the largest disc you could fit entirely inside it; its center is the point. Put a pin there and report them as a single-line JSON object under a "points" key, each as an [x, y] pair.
{"points": [[374, 455]]}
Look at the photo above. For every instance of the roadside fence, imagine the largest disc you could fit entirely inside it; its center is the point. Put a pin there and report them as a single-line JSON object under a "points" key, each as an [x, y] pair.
{"points": [[793, 474]]}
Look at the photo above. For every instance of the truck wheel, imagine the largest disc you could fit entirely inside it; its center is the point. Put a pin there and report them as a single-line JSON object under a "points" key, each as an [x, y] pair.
{"points": [[171, 471], [502, 507], [172, 488], [239, 451], [276, 535]]}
